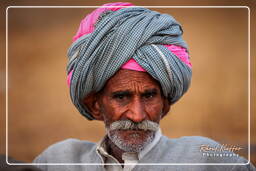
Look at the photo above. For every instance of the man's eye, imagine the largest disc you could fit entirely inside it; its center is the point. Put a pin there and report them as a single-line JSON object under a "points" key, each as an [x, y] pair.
{"points": [[119, 97], [149, 95]]}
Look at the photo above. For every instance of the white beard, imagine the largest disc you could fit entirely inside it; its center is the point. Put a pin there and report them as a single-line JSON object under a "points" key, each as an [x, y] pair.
{"points": [[115, 137]]}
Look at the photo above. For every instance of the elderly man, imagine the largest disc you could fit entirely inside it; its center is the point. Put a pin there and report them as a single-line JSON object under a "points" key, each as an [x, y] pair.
{"points": [[126, 67]]}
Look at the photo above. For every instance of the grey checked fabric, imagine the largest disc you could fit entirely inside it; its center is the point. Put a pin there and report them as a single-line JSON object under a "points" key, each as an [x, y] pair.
{"points": [[137, 33]]}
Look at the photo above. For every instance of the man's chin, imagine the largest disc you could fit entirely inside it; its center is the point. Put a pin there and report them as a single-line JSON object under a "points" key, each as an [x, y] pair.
{"points": [[131, 140]]}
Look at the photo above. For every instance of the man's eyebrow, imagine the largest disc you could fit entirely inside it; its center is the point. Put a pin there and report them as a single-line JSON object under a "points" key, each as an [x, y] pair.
{"points": [[150, 91], [123, 93]]}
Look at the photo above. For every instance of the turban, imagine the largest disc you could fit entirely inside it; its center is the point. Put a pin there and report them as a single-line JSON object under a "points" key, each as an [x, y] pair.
{"points": [[111, 36]]}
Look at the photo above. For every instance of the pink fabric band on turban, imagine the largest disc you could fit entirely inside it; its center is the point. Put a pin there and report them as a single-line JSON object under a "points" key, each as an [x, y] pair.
{"points": [[69, 77], [87, 27], [132, 65], [181, 53], [87, 24], [177, 50]]}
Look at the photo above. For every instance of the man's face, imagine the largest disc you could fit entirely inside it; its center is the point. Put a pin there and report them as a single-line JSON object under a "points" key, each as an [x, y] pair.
{"points": [[132, 105]]}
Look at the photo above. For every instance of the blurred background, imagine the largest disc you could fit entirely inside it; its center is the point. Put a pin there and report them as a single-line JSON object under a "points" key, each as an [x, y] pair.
{"points": [[41, 113]]}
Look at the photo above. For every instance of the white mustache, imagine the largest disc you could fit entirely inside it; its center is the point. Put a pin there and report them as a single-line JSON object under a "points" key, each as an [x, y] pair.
{"points": [[130, 125]]}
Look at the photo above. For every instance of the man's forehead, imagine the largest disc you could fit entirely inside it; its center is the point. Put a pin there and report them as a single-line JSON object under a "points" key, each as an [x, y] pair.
{"points": [[124, 80]]}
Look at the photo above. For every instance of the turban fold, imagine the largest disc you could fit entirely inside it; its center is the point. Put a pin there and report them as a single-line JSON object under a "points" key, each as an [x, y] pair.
{"points": [[110, 36]]}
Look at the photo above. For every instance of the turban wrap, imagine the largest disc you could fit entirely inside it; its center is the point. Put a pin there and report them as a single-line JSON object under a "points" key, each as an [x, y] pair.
{"points": [[118, 35]]}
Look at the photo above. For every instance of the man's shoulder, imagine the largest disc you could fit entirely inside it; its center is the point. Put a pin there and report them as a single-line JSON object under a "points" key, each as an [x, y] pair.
{"points": [[189, 140], [71, 145], [187, 144], [69, 150], [195, 149]]}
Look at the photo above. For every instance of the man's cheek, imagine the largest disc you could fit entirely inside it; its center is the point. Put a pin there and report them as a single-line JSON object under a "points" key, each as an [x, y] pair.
{"points": [[110, 116], [154, 113], [117, 113]]}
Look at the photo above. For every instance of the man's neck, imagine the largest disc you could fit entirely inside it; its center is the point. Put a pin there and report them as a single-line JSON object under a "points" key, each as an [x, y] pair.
{"points": [[115, 151]]}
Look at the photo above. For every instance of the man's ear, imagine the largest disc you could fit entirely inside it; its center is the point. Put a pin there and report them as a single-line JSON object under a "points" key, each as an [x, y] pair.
{"points": [[92, 103], [166, 107]]}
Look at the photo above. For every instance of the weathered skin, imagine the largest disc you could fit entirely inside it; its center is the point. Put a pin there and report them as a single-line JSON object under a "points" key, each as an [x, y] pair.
{"points": [[128, 95]]}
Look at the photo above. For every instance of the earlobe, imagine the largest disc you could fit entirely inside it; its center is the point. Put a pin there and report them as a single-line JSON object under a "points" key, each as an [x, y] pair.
{"points": [[96, 111], [92, 103]]}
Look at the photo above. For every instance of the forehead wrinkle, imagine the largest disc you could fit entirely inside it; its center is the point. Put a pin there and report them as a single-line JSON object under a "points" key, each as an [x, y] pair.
{"points": [[131, 80], [138, 86]]}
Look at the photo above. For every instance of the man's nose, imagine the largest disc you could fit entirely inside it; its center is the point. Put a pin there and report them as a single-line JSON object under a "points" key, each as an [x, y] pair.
{"points": [[136, 111]]}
